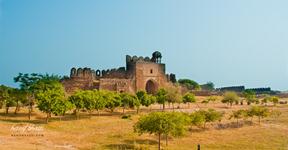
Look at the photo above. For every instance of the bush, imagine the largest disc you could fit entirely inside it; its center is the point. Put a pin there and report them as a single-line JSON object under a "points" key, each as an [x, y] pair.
{"points": [[202, 117], [126, 117]]}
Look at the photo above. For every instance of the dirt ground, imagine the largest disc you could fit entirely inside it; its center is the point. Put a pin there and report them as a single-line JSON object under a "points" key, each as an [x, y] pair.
{"points": [[109, 131]]}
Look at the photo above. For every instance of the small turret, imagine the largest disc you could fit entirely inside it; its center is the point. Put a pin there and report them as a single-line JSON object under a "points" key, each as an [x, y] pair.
{"points": [[156, 57]]}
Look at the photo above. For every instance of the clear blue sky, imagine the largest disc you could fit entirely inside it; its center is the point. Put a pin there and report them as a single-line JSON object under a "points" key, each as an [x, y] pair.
{"points": [[227, 42]]}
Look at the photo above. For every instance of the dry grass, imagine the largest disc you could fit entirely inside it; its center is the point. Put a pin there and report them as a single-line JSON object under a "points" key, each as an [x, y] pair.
{"points": [[111, 132]]}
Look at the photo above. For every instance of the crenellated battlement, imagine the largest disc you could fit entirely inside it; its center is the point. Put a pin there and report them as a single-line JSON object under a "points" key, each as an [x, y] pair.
{"points": [[95, 74], [156, 58], [82, 72], [133, 59]]}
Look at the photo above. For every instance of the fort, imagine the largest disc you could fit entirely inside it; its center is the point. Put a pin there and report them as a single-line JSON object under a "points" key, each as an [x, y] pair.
{"points": [[140, 73], [263, 90]]}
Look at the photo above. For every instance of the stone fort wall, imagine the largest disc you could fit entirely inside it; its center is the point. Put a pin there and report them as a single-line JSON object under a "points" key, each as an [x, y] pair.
{"points": [[140, 74]]}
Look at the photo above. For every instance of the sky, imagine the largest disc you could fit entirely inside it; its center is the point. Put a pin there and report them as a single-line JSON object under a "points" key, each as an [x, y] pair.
{"points": [[226, 42]]}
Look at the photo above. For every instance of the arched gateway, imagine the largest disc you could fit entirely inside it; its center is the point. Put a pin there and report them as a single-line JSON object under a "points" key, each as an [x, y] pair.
{"points": [[151, 87]]}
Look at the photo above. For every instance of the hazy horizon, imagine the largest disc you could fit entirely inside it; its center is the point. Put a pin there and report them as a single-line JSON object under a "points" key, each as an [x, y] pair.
{"points": [[230, 43]]}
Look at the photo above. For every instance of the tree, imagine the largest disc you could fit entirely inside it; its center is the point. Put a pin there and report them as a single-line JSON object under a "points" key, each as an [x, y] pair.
{"points": [[238, 115], [4, 95], [19, 97], [212, 99], [189, 84], [179, 126], [27, 84], [77, 100], [230, 98], [173, 96], [89, 101], [145, 99], [9, 102], [189, 98], [259, 111], [274, 100], [209, 86], [162, 123], [197, 118], [161, 97], [113, 100], [6, 98], [266, 99], [129, 101], [151, 100], [61, 107], [100, 102], [250, 97], [211, 116], [49, 96]]}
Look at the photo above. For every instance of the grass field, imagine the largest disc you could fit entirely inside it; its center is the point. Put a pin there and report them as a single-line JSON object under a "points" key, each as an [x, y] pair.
{"points": [[109, 131]]}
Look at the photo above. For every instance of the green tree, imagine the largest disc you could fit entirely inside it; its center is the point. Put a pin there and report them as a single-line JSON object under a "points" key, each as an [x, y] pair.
{"points": [[190, 84], [162, 123], [179, 124], [19, 97], [152, 100], [6, 98], [4, 95], [212, 99], [145, 99], [28, 84], [161, 97], [48, 97], [129, 101], [77, 99], [266, 99], [259, 111], [238, 115], [9, 103], [209, 99], [211, 116], [89, 101], [197, 118], [189, 98], [274, 100], [209, 86], [250, 97], [61, 107], [100, 101], [230, 98], [113, 100], [173, 96]]}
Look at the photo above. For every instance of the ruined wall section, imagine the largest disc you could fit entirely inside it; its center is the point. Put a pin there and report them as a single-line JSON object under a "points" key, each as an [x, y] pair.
{"points": [[119, 85], [87, 79], [114, 73], [73, 84], [81, 78]]}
